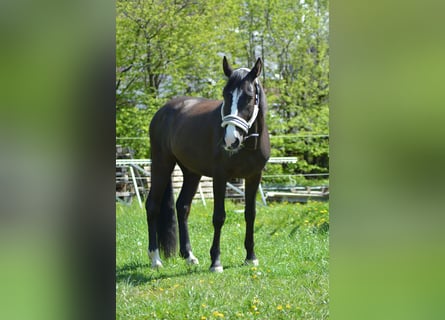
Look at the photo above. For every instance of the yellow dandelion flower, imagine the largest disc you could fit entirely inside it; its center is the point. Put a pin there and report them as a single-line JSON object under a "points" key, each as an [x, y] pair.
{"points": [[288, 306], [254, 276], [204, 305], [254, 308], [203, 318], [218, 314], [279, 307]]}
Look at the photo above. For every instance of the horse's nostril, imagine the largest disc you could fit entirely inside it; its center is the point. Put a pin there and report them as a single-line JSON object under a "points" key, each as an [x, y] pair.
{"points": [[235, 144]]}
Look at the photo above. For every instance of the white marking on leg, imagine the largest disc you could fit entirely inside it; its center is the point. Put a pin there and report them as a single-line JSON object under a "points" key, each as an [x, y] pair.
{"points": [[155, 259], [192, 259], [217, 269], [253, 262]]}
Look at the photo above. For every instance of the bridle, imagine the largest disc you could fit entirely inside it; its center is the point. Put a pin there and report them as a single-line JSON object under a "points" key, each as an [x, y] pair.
{"points": [[240, 122]]}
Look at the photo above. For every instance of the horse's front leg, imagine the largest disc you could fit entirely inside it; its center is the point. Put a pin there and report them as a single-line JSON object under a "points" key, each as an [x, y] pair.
{"points": [[183, 205], [252, 184], [219, 216]]}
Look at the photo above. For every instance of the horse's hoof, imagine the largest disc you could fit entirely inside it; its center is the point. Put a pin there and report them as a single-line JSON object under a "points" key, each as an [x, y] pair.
{"points": [[191, 259], [156, 264], [253, 262], [217, 269], [155, 259]]}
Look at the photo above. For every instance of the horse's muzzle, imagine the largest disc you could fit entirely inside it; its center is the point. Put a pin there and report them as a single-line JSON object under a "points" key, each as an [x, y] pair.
{"points": [[235, 146], [233, 139]]}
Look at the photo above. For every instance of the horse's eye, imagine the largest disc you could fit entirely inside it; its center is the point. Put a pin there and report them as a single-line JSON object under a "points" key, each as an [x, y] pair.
{"points": [[248, 97]]}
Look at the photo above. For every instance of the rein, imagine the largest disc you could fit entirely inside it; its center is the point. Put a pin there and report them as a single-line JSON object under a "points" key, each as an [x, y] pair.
{"points": [[240, 122]]}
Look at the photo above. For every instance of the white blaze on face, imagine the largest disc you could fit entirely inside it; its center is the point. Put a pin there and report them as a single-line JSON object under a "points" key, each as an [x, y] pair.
{"points": [[231, 133]]}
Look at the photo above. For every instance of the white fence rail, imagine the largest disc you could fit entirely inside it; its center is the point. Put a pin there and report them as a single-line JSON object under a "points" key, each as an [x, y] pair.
{"points": [[138, 167]]}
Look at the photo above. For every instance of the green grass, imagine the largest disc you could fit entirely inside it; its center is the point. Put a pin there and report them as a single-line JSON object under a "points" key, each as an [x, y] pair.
{"points": [[291, 282]]}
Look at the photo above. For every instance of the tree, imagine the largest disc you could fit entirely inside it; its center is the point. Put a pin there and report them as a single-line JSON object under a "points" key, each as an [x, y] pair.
{"points": [[173, 47]]}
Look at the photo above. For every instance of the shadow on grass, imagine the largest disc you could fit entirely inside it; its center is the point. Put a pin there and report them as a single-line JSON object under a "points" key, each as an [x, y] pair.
{"points": [[136, 273]]}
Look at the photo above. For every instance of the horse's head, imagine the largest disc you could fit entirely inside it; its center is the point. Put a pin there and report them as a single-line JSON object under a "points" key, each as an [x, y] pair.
{"points": [[241, 103]]}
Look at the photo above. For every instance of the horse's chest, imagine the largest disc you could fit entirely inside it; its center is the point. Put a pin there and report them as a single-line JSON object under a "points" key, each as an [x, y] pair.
{"points": [[241, 168]]}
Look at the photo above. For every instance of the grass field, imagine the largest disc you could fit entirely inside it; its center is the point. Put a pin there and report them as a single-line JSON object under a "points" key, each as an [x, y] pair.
{"points": [[291, 281]]}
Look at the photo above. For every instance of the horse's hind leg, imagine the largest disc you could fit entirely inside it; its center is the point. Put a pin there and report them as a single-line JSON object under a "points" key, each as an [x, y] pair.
{"points": [[183, 206]]}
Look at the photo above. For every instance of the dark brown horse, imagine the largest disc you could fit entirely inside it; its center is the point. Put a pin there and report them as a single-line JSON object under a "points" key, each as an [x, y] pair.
{"points": [[220, 139]]}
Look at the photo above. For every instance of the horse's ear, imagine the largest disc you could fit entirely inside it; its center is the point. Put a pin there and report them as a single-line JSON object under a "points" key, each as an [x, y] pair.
{"points": [[226, 67], [256, 70]]}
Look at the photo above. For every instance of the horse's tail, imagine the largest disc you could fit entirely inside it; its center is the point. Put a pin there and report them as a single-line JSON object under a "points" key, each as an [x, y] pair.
{"points": [[167, 225]]}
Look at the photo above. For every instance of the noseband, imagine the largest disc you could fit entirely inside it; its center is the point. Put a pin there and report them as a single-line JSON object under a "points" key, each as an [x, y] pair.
{"points": [[238, 121]]}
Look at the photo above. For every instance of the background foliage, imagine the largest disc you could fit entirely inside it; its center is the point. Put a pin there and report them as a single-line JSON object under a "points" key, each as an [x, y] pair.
{"points": [[169, 48]]}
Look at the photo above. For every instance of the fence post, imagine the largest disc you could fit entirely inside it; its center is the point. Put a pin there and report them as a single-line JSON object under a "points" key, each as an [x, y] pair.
{"points": [[136, 189]]}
